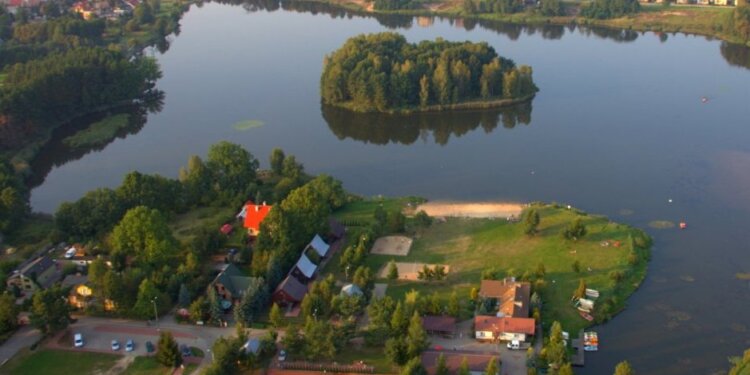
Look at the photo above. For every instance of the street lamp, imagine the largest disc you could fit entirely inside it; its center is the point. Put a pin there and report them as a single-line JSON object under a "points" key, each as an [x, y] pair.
{"points": [[315, 314], [156, 313]]}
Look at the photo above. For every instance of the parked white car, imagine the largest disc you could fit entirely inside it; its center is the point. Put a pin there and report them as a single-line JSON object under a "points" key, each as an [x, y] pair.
{"points": [[78, 340]]}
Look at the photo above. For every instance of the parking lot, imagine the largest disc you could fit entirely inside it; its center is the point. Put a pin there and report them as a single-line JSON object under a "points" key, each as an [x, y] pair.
{"points": [[99, 338]]}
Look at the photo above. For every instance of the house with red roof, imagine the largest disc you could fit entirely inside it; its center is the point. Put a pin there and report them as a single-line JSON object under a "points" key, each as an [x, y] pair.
{"points": [[492, 328], [252, 215]]}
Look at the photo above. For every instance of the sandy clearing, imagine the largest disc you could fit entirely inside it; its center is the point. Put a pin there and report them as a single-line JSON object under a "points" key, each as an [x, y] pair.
{"points": [[392, 245], [471, 209]]}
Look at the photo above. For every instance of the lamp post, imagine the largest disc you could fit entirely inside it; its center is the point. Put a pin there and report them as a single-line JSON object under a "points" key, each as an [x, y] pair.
{"points": [[156, 313]]}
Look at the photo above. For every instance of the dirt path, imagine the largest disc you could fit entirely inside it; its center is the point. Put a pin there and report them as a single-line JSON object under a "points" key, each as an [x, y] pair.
{"points": [[471, 209], [120, 366]]}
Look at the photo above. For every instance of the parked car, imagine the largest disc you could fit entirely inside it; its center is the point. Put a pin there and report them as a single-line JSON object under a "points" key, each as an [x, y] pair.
{"points": [[115, 345], [514, 345], [129, 346], [149, 347], [78, 340], [282, 356], [185, 351]]}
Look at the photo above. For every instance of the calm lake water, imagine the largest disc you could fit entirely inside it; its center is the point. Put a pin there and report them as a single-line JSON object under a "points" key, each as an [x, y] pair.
{"points": [[618, 128]]}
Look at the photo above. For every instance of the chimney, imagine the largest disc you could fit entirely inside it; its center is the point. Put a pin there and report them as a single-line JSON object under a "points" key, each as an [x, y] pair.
{"points": [[257, 208], [264, 203]]}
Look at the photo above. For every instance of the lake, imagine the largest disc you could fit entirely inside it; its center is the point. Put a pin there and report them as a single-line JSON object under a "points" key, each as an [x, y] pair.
{"points": [[618, 128]]}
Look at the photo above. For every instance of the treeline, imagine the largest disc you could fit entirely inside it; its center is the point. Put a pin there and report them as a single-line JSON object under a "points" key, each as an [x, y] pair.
{"points": [[75, 81], [544, 7], [381, 72], [737, 23], [604, 9], [13, 200], [396, 4]]}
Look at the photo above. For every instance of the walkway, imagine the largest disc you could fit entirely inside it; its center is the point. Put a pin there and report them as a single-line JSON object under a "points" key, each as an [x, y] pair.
{"points": [[23, 338]]}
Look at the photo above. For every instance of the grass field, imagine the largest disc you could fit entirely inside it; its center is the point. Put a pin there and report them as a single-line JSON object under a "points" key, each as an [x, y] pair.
{"points": [[99, 132], [45, 362], [149, 366], [470, 246]]}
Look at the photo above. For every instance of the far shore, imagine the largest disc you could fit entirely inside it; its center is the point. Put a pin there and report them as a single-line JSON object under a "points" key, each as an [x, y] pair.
{"points": [[472, 209]]}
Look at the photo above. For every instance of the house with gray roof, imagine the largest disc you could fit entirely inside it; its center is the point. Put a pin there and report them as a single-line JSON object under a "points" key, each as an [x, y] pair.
{"points": [[317, 244], [36, 274], [304, 269], [231, 284]]}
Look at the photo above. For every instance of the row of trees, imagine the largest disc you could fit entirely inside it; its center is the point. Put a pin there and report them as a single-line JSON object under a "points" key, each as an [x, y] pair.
{"points": [[603, 9], [545, 7], [380, 72], [13, 198]]}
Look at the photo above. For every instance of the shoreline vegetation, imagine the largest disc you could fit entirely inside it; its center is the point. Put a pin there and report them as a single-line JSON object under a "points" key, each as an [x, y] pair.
{"points": [[674, 18], [384, 73]]}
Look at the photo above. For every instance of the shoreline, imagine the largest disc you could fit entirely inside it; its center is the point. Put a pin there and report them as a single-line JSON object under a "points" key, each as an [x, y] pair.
{"points": [[638, 22], [436, 108]]}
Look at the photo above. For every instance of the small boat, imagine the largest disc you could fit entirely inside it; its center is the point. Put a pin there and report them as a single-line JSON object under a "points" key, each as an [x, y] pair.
{"points": [[683, 225], [586, 316], [592, 293]]}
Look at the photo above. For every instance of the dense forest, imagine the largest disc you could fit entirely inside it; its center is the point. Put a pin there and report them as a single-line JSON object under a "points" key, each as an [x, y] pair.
{"points": [[382, 72], [65, 83]]}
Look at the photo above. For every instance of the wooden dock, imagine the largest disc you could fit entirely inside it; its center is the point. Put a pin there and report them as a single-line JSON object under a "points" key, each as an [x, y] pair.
{"points": [[577, 359]]}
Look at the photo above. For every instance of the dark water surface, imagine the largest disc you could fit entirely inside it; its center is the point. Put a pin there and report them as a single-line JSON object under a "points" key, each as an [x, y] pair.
{"points": [[618, 128]]}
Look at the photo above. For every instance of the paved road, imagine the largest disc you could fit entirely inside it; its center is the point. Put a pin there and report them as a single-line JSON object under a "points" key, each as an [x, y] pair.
{"points": [[23, 338]]}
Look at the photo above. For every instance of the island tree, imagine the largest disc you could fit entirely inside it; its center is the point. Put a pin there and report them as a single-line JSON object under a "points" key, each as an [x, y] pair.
{"points": [[382, 72]]}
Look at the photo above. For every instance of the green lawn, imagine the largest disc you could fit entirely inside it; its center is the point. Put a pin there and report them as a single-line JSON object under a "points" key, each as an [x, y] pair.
{"points": [[44, 362], [99, 132], [186, 225], [360, 213], [470, 246], [149, 366]]}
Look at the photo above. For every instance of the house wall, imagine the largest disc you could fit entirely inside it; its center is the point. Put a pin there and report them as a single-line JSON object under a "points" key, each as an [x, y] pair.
{"points": [[484, 335], [22, 282], [508, 336]]}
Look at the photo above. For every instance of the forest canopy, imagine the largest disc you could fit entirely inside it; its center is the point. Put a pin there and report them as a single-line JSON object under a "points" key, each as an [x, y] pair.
{"points": [[382, 72]]}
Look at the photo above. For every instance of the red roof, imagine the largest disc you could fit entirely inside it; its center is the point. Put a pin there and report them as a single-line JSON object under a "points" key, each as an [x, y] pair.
{"points": [[504, 324], [15, 3], [254, 214], [226, 229]]}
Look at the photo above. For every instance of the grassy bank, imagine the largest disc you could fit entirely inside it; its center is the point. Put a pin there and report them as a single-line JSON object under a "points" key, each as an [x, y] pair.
{"points": [[470, 246], [99, 132], [43, 362]]}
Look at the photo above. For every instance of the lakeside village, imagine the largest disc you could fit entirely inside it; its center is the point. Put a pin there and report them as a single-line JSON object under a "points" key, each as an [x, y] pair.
{"points": [[499, 325], [87, 9]]}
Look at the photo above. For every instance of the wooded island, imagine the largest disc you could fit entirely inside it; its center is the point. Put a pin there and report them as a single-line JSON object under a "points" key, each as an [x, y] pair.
{"points": [[382, 72]]}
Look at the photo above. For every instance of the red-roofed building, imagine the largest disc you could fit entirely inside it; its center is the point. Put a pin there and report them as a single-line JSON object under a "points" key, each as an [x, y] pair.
{"points": [[492, 328], [252, 215]]}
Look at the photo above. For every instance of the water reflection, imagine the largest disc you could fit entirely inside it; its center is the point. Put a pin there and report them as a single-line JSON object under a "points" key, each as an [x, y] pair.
{"points": [[56, 152], [382, 129], [736, 54]]}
